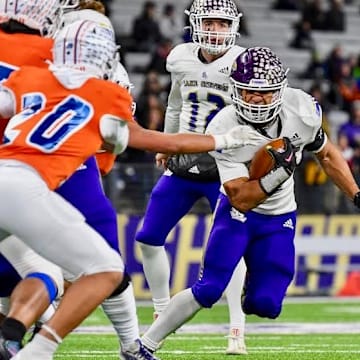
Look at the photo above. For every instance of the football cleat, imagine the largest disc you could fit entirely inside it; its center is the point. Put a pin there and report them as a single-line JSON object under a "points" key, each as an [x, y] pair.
{"points": [[236, 343], [8, 348], [137, 352]]}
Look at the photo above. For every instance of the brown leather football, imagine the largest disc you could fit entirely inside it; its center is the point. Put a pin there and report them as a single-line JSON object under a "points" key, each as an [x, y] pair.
{"points": [[263, 161]]}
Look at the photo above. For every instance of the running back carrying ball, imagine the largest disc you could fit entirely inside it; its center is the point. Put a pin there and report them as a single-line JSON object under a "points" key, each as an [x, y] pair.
{"points": [[263, 161]]}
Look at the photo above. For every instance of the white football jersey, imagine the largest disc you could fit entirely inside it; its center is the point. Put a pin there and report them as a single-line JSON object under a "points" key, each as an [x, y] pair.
{"points": [[198, 90], [300, 120]]}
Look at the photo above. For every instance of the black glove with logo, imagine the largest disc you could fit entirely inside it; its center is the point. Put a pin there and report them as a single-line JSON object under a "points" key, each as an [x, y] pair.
{"points": [[285, 164]]}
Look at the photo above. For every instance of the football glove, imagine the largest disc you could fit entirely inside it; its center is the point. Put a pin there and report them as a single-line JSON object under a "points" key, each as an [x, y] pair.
{"points": [[285, 164], [238, 136]]}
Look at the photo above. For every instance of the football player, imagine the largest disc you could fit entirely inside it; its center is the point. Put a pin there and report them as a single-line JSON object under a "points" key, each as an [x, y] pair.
{"points": [[67, 119], [25, 31], [200, 88], [257, 217]]}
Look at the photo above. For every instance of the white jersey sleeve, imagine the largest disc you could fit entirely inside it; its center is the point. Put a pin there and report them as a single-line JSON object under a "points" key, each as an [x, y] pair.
{"points": [[173, 109]]}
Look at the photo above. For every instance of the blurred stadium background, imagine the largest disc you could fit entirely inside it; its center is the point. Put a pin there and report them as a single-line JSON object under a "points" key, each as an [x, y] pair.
{"points": [[319, 41]]}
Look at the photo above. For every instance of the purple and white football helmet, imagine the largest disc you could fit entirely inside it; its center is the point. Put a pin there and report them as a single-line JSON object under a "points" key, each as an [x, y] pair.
{"points": [[258, 69], [214, 9]]}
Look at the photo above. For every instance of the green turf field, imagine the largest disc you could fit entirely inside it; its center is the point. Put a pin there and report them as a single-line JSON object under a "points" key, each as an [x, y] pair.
{"points": [[315, 329]]}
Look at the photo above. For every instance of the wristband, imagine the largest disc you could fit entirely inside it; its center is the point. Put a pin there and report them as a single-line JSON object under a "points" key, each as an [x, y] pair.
{"points": [[271, 181], [220, 142]]}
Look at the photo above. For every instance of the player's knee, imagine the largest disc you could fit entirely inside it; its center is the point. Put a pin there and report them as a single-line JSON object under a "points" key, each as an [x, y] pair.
{"points": [[123, 285], [48, 282], [206, 295], [263, 306]]}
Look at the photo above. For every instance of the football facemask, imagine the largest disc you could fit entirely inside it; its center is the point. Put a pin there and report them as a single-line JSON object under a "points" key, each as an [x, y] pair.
{"points": [[214, 42], [259, 70]]}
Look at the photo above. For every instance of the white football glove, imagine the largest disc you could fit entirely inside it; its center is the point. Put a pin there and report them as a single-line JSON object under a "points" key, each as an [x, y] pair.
{"points": [[236, 137]]}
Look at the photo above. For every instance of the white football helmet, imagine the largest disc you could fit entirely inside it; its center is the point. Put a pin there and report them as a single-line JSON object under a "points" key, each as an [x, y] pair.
{"points": [[86, 14], [258, 69], [214, 42], [121, 77], [44, 16], [87, 46]]}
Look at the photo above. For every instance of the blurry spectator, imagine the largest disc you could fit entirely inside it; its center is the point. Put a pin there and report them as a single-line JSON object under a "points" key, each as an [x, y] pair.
{"points": [[335, 19], [352, 129], [285, 5], [315, 68], [356, 69], [170, 26], [313, 13], [342, 205], [332, 64], [150, 109], [343, 91], [152, 98], [303, 37], [146, 32], [158, 60]]}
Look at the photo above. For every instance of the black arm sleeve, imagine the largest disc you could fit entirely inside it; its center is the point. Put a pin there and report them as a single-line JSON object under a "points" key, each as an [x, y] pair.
{"points": [[318, 142]]}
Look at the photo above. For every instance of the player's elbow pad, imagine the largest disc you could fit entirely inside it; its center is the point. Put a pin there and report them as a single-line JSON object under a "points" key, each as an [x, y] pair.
{"points": [[115, 131]]}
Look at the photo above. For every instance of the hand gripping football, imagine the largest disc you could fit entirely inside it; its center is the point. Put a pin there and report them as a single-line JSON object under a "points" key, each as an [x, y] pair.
{"points": [[263, 161]]}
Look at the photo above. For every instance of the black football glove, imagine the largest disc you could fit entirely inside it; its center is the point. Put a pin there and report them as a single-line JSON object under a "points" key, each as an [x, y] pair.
{"points": [[286, 159], [285, 164]]}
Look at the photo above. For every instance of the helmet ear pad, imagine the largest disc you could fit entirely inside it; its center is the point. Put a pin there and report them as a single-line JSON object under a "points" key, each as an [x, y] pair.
{"points": [[258, 69]]}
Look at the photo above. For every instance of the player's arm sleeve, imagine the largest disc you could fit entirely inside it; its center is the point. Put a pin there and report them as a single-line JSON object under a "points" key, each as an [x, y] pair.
{"points": [[7, 103], [114, 131], [173, 110], [319, 142]]}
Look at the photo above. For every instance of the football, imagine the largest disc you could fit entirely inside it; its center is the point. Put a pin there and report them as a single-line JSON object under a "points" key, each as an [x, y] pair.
{"points": [[263, 161]]}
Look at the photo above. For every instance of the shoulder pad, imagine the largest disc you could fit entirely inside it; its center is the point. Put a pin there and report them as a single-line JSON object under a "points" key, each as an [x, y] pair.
{"points": [[180, 55], [304, 105]]}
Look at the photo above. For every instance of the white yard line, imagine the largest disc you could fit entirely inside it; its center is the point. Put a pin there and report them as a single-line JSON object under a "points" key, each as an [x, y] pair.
{"points": [[252, 328]]}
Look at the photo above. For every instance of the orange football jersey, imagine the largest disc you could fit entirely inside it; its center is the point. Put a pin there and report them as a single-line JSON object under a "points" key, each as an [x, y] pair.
{"points": [[22, 49], [59, 128], [105, 162]]}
